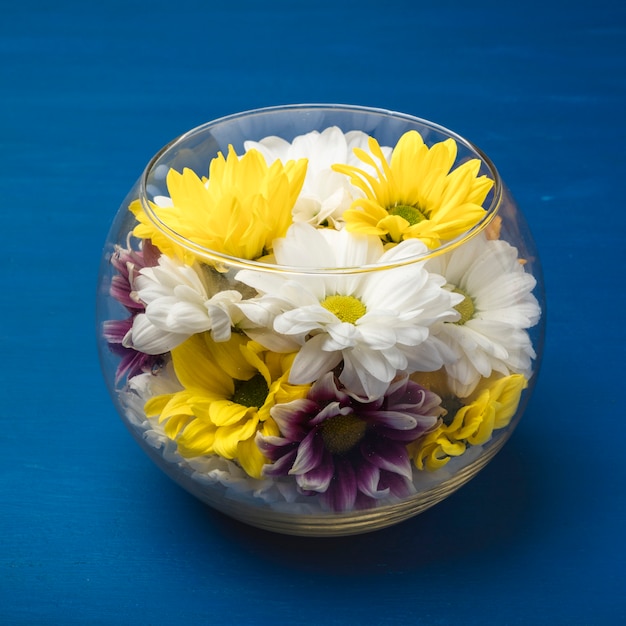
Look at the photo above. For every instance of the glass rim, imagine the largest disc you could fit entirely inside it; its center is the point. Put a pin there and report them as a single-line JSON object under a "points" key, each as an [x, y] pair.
{"points": [[225, 261]]}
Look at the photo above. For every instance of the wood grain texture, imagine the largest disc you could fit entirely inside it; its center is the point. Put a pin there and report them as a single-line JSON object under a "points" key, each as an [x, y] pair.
{"points": [[90, 531]]}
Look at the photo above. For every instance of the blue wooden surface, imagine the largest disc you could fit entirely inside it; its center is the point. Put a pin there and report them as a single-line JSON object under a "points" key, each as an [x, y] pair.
{"points": [[90, 531]]}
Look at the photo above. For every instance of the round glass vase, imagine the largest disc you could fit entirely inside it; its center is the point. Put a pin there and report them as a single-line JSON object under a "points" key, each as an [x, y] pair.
{"points": [[318, 319]]}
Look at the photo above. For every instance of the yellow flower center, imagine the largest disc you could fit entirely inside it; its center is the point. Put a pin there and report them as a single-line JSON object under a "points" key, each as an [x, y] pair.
{"points": [[342, 433], [465, 307], [346, 308], [412, 214], [251, 393]]}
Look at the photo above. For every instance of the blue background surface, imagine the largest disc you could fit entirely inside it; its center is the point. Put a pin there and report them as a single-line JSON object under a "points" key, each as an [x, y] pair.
{"points": [[90, 531]]}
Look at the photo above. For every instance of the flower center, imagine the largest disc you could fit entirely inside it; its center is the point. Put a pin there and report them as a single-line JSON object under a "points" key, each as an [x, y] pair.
{"points": [[412, 214], [452, 405], [342, 432], [251, 392], [346, 308], [465, 307]]}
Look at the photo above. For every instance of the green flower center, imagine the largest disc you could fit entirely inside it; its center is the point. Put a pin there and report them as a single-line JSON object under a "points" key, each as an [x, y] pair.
{"points": [[342, 432], [346, 308], [465, 307], [412, 214], [251, 392]]}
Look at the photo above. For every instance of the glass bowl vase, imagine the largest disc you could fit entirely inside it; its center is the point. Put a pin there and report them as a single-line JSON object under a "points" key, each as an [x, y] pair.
{"points": [[320, 319]]}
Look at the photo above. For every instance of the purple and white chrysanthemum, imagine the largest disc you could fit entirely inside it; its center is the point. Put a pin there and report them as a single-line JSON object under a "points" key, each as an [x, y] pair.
{"points": [[128, 263], [349, 452]]}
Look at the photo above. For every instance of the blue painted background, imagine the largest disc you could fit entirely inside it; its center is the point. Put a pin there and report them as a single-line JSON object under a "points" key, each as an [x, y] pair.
{"points": [[90, 531]]}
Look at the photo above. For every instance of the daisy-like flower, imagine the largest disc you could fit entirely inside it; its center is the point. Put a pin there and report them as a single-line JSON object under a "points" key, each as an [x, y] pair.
{"points": [[497, 308], [228, 390], [180, 300], [351, 453], [237, 211], [473, 423], [375, 324], [326, 194], [416, 193]]}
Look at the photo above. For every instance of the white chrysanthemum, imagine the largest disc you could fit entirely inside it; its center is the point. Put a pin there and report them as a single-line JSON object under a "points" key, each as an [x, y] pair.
{"points": [[377, 323], [497, 309], [179, 303], [325, 194]]}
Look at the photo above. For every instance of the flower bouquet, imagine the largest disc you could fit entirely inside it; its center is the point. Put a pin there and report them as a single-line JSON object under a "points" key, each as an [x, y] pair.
{"points": [[320, 320]]}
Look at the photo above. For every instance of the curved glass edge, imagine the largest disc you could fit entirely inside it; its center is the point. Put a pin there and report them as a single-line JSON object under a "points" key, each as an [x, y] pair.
{"points": [[195, 149], [296, 522]]}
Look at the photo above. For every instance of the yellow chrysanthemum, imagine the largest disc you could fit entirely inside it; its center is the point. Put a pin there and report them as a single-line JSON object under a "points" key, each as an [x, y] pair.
{"points": [[229, 389], [492, 408], [416, 195], [239, 210]]}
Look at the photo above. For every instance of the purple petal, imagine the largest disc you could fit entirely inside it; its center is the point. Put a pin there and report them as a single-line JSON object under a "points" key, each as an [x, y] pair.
{"points": [[133, 363], [310, 454], [114, 331], [292, 417], [396, 420], [368, 477], [395, 484], [318, 479], [325, 390], [332, 409], [342, 491], [275, 447], [281, 466], [387, 455], [121, 290]]}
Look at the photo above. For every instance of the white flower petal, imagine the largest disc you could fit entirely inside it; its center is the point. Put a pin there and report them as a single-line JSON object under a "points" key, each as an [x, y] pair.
{"points": [[178, 305], [312, 361], [146, 337]]}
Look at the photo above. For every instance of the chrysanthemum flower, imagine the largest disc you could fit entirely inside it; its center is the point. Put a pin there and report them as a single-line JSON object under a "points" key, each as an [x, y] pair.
{"points": [[497, 308], [180, 300], [237, 211], [375, 324], [416, 194], [326, 194], [491, 408], [349, 452], [228, 391]]}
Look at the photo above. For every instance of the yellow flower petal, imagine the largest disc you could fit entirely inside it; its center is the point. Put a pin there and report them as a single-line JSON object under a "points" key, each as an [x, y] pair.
{"points": [[227, 413], [195, 369], [506, 392], [227, 438], [250, 457], [197, 439], [490, 408]]}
